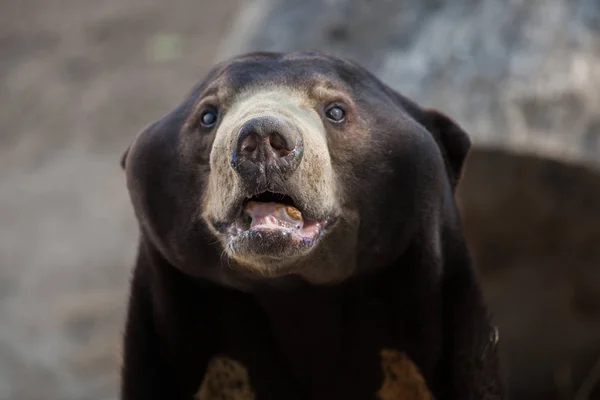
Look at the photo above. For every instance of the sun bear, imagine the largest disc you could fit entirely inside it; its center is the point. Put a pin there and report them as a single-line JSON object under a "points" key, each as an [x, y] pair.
{"points": [[299, 239]]}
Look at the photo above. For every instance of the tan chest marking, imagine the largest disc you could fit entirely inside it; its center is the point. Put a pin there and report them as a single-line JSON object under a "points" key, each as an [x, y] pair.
{"points": [[402, 380], [227, 379]]}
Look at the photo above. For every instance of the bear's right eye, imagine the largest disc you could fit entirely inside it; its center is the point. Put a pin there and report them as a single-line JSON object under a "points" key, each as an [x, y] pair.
{"points": [[208, 118], [335, 113]]}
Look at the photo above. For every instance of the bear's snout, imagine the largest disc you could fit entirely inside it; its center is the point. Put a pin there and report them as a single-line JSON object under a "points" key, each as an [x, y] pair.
{"points": [[266, 147]]}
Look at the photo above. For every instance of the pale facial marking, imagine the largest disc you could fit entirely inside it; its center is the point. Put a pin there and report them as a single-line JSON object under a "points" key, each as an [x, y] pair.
{"points": [[314, 179]]}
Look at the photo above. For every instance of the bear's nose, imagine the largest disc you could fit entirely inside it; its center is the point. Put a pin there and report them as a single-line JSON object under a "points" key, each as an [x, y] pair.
{"points": [[267, 145], [266, 138]]}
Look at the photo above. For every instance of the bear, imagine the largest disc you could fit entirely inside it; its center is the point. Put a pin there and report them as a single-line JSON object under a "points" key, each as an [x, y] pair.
{"points": [[300, 239]]}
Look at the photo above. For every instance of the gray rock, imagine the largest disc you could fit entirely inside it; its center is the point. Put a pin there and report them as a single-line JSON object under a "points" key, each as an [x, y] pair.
{"points": [[521, 75]]}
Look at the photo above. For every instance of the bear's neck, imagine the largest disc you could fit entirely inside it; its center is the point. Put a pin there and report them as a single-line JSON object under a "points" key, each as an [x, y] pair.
{"points": [[307, 327], [317, 331]]}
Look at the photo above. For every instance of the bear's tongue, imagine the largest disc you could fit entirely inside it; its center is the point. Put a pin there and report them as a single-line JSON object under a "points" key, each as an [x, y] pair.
{"points": [[274, 216]]}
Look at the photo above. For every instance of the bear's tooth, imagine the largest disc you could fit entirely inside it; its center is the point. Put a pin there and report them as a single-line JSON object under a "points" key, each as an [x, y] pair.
{"points": [[293, 213]]}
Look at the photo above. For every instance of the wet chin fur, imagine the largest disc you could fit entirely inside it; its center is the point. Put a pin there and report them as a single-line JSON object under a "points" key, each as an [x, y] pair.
{"points": [[267, 251]]}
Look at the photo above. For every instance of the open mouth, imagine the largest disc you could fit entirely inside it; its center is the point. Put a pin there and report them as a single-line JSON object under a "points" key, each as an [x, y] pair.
{"points": [[275, 213]]}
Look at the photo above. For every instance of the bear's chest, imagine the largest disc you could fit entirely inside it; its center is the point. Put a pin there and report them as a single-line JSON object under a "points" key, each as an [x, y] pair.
{"points": [[333, 355], [226, 378]]}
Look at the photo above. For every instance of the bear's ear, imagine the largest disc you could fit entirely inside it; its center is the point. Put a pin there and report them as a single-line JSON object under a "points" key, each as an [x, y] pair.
{"points": [[452, 139], [123, 161]]}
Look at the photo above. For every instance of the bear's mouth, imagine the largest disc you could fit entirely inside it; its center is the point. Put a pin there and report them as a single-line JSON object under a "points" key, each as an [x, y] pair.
{"points": [[277, 213]]}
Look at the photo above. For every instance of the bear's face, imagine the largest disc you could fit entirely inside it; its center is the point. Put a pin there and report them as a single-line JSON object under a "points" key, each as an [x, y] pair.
{"points": [[291, 165]]}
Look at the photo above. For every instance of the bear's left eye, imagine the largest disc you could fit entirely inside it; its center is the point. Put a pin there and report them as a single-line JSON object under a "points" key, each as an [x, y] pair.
{"points": [[208, 118], [335, 113]]}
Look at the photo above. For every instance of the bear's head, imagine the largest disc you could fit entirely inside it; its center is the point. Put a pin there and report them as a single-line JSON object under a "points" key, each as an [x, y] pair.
{"points": [[298, 166]]}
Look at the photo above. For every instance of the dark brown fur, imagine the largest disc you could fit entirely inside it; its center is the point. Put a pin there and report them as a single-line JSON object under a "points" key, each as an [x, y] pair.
{"points": [[394, 272]]}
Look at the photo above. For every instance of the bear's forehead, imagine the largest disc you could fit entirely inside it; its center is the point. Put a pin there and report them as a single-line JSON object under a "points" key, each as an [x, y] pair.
{"points": [[316, 76]]}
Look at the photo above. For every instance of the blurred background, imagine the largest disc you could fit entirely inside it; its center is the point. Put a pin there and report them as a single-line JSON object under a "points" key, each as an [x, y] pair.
{"points": [[79, 78]]}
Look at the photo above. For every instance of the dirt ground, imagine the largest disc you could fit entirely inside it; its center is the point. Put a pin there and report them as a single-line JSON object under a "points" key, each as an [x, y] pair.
{"points": [[78, 79]]}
